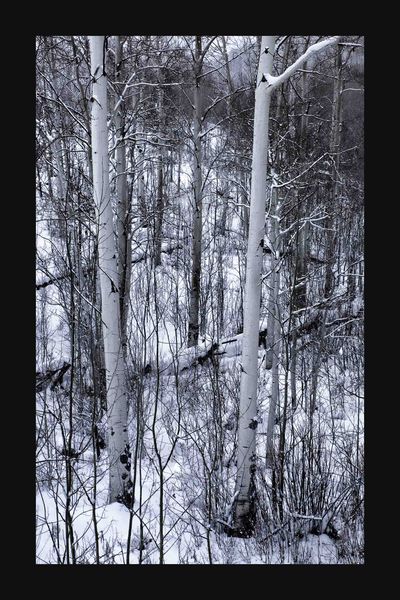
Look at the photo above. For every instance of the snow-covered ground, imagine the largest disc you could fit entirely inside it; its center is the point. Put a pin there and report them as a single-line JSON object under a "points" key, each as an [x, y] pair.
{"points": [[188, 425]]}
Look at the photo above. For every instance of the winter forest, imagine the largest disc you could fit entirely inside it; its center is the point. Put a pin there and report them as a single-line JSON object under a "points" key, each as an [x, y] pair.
{"points": [[199, 299]]}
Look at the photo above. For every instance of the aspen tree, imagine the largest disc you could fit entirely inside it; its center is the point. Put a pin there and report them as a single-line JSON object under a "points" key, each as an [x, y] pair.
{"points": [[244, 498], [117, 405], [246, 460]]}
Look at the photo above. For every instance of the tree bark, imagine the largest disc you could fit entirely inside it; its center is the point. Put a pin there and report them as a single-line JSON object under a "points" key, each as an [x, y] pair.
{"points": [[244, 499], [123, 207], [333, 185], [117, 406], [193, 329], [243, 510]]}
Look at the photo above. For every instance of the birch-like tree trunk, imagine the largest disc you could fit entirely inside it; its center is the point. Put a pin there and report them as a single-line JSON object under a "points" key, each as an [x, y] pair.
{"points": [[117, 406], [243, 517], [244, 499], [193, 329]]}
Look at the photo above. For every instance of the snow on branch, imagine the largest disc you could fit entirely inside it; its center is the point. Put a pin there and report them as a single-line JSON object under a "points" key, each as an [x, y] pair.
{"points": [[274, 82], [116, 107]]}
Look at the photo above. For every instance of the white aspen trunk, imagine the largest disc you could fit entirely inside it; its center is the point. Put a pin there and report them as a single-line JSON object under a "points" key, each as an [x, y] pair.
{"points": [[117, 406], [244, 503], [243, 517], [193, 329]]}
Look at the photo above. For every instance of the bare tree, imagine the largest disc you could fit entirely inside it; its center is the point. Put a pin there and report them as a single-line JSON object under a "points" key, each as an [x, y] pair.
{"points": [[243, 523], [193, 331], [117, 401]]}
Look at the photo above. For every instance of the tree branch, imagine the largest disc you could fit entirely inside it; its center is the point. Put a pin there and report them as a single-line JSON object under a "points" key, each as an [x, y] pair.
{"points": [[274, 82]]}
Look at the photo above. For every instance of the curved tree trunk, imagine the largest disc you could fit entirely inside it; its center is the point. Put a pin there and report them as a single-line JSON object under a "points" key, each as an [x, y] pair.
{"points": [[244, 499], [243, 512]]}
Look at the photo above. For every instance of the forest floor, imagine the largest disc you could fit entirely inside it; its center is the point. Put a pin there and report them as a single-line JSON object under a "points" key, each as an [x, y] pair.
{"points": [[195, 448], [184, 442]]}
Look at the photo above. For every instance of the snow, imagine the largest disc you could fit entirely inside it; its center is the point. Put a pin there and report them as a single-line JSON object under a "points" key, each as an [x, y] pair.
{"points": [[182, 487], [188, 422], [184, 473]]}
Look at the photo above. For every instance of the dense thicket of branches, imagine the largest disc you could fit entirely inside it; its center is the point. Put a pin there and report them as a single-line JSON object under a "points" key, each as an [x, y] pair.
{"points": [[180, 113]]}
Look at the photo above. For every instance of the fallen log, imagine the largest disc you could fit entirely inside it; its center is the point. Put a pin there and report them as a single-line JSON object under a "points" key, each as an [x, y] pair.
{"points": [[52, 377]]}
